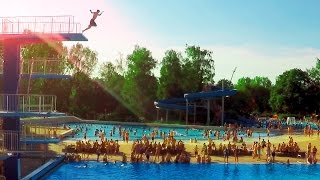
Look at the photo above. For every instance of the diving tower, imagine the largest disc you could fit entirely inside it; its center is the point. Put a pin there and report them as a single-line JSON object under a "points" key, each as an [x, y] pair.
{"points": [[14, 33]]}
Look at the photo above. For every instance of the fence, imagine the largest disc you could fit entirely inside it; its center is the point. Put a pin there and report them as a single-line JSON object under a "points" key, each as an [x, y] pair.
{"points": [[38, 24], [9, 141], [42, 66], [27, 103]]}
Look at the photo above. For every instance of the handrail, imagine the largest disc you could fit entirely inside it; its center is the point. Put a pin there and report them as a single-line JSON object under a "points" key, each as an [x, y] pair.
{"points": [[16, 141], [27, 103], [38, 24], [42, 66], [9, 140]]}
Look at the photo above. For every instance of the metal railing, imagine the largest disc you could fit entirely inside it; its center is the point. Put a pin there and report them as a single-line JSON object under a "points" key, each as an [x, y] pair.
{"points": [[13, 141], [9, 141], [38, 24], [35, 132], [27, 103], [42, 66]]}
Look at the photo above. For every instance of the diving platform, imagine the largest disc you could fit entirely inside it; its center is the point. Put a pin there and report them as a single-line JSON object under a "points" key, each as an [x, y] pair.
{"points": [[30, 114], [28, 105], [13, 141], [31, 29], [15, 32], [44, 68]]}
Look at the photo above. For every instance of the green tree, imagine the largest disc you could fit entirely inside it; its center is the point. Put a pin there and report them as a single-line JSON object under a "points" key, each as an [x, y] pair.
{"points": [[41, 58], [226, 84], [243, 83], [198, 68], [83, 59], [315, 72], [140, 85], [294, 92], [259, 81], [170, 85], [253, 95], [111, 78], [47, 58]]}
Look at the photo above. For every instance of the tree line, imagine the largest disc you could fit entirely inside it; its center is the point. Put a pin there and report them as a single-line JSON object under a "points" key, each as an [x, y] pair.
{"points": [[126, 88]]}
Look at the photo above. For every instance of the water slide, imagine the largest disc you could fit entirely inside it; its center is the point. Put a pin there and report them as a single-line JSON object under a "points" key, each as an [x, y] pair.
{"points": [[173, 104], [180, 103]]}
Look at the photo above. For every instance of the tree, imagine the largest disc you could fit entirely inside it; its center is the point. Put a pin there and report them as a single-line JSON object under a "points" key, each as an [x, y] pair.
{"points": [[42, 58], [294, 92], [198, 68], [314, 72], [140, 85], [111, 78], [226, 84], [253, 95], [259, 81], [243, 83], [88, 98], [83, 59], [48, 57], [170, 85]]}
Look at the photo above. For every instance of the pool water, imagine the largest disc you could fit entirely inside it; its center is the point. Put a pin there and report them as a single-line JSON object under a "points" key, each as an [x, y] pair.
{"points": [[97, 170], [181, 133]]}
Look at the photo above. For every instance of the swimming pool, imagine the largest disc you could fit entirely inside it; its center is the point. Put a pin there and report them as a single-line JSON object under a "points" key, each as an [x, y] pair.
{"points": [[97, 170], [136, 132]]}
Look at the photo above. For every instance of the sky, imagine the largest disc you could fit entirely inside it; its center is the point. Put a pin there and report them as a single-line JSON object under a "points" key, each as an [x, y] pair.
{"points": [[259, 38]]}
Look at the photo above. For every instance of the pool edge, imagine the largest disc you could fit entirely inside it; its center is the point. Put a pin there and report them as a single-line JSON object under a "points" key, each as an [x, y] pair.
{"points": [[44, 169]]}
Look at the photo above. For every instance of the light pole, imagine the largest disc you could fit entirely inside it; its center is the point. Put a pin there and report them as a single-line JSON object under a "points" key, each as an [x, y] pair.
{"points": [[222, 105]]}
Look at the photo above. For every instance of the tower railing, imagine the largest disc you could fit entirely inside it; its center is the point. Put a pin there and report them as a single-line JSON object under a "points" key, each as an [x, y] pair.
{"points": [[27, 103], [9, 141], [15, 141], [38, 24], [42, 66]]}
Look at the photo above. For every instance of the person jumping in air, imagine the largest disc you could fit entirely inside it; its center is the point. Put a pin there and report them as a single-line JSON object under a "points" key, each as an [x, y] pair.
{"points": [[92, 22]]}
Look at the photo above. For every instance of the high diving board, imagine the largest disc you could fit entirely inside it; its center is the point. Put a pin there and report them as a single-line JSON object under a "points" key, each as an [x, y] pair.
{"points": [[30, 114], [46, 76], [210, 94], [30, 29], [42, 37], [47, 68], [28, 105]]}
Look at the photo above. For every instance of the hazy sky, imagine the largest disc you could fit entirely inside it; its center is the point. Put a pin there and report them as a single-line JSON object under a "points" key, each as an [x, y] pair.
{"points": [[258, 37]]}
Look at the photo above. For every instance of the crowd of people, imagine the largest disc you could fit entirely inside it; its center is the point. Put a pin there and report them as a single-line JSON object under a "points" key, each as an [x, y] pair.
{"points": [[166, 151], [160, 147]]}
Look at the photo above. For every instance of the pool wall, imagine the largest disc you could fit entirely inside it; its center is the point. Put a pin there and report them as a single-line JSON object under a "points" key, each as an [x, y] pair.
{"points": [[74, 119], [52, 120], [44, 169]]}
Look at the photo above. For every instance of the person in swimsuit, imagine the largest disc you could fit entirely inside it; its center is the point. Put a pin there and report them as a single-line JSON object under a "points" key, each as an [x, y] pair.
{"points": [[92, 21]]}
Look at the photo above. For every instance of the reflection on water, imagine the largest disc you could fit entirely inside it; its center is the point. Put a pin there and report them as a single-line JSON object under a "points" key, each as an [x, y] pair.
{"points": [[96, 170]]}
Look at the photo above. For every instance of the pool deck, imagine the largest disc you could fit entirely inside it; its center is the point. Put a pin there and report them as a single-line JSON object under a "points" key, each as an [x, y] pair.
{"points": [[302, 141]]}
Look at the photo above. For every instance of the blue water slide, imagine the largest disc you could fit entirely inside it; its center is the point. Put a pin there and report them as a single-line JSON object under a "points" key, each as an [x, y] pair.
{"points": [[180, 103], [210, 94], [173, 104]]}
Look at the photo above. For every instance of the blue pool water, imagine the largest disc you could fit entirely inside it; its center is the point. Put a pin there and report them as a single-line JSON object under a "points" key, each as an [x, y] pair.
{"points": [[98, 170], [181, 133]]}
